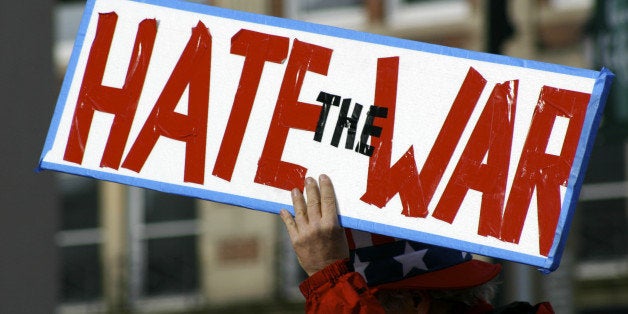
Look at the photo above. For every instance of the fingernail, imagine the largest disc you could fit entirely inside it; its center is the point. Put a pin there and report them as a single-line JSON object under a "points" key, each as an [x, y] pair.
{"points": [[309, 180], [295, 192], [323, 177]]}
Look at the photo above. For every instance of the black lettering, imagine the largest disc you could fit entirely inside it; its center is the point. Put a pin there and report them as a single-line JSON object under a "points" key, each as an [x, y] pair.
{"points": [[327, 100]]}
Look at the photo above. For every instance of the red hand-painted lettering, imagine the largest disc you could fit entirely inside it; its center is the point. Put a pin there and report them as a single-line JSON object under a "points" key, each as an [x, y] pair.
{"points": [[415, 190], [257, 48], [121, 102], [543, 171], [492, 137], [291, 113], [193, 69], [483, 165]]}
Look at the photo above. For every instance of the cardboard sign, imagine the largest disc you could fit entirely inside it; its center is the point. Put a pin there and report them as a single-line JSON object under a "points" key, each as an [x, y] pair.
{"points": [[477, 152]]}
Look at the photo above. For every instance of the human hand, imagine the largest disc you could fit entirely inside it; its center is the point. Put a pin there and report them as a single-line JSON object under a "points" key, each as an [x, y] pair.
{"points": [[316, 236]]}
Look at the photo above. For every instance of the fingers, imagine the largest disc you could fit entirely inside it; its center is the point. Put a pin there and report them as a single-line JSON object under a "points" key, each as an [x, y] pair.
{"points": [[328, 198], [300, 208], [313, 200], [317, 238], [291, 226], [320, 203]]}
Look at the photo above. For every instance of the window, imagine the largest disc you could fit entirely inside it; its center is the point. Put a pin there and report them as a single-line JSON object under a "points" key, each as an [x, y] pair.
{"points": [[79, 240], [602, 216], [310, 6], [170, 240], [163, 241], [161, 247], [410, 13], [80, 273], [162, 207], [571, 3], [607, 163], [420, 1], [603, 230], [66, 17], [172, 266], [341, 13], [79, 202]]}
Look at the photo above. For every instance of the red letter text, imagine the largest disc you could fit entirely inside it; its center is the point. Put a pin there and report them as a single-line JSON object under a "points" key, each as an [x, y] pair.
{"points": [[492, 137], [543, 171], [257, 48], [290, 113], [193, 69], [415, 191], [121, 102]]}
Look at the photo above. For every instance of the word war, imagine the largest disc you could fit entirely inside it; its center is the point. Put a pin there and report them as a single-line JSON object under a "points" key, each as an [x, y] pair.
{"points": [[492, 136]]}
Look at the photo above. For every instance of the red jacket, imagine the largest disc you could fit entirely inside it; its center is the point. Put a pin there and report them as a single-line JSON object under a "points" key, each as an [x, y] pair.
{"points": [[336, 289]]}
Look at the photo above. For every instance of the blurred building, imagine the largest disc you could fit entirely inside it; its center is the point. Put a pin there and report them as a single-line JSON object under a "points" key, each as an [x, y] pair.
{"points": [[129, 249]]}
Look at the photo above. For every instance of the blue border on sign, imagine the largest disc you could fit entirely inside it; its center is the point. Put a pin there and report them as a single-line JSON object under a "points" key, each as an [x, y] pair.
{"points": [[589, 132], [201, 193], [592, 120], [67, 79]]}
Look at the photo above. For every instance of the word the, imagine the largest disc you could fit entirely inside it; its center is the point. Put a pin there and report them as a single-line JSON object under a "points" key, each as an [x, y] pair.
{"points": [[349, 123]]}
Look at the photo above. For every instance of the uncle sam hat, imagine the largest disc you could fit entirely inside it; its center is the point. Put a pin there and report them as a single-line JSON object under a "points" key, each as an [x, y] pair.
{"points": [[392, 263]]}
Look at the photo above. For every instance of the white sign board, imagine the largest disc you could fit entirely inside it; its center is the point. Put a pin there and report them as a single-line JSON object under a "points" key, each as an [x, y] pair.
{"points": [[456, 148]]}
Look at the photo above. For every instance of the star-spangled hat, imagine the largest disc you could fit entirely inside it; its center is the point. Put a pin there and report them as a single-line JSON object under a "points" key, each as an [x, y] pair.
{"points": [[392, 263]]}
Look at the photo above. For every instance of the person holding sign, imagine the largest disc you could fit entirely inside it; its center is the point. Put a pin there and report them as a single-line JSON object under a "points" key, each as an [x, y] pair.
{"points": [[352, 271]]}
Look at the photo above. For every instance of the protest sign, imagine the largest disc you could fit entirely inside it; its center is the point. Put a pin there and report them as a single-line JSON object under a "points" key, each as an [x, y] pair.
{"points": [[473, 151]]}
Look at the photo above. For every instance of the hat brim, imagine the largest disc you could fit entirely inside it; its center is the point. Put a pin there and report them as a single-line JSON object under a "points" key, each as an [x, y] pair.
{"points": [[464, 275]]}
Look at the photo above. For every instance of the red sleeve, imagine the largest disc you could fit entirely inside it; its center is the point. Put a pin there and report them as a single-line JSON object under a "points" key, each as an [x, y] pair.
{"points": [[335, 289], [544, 308]]}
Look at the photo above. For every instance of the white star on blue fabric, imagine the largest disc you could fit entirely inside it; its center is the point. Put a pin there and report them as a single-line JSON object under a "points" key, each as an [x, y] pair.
{"points": [[360, 266], [411, 259]]}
